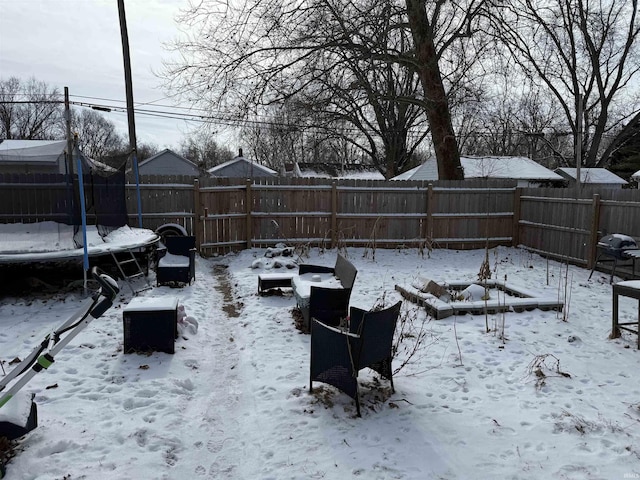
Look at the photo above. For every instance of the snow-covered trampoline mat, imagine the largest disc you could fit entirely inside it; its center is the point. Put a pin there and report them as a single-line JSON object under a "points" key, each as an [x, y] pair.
{"points": [[475, 298], [51, 241]]}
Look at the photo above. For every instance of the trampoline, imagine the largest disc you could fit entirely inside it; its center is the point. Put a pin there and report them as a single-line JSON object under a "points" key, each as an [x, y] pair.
{"points": [[51, 242], [93, 220]]}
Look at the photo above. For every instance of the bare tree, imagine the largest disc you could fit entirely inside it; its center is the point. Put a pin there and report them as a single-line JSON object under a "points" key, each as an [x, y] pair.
{"points": [[279, 141], [578, 49], [424, 26], [32, 110], [8, 96], [201, 148], [145, 150], [357, 60], [370, 100], [29, 110], [319, 61], [512, 118], [97, 136]]}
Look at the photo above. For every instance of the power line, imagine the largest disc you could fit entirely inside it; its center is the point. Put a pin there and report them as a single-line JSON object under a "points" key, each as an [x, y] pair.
{"points": [[214, 119], [229, 121], [190, 117], [104, 99], [140, 103]]}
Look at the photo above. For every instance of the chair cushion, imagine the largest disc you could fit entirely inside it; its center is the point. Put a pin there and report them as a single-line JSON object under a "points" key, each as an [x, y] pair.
{"points": [[170, 260]]}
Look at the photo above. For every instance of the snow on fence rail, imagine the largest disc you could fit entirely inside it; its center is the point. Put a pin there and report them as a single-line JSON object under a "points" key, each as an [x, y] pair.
{"points": [[231, 214]]}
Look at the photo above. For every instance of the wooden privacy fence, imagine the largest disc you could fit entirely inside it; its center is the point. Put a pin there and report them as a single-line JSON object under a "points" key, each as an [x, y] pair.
{"points": [[566, 224], [164, 199], [35, 198], [353, 213], [233, 214]]}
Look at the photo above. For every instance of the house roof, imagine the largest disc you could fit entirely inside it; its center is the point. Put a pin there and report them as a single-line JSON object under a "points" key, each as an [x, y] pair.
{"points": [[39, 152], [513, 168], [418, 173], [164, 152], [43, 153], [335, 170], [592, 175], [247, 167]]}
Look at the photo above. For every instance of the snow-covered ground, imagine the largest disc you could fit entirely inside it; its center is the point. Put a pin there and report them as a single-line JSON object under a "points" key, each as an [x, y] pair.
{"points": [[551, 398]]}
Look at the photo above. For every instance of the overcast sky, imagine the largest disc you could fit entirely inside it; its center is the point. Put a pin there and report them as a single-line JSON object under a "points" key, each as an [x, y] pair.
{"points": [[77, 43]]}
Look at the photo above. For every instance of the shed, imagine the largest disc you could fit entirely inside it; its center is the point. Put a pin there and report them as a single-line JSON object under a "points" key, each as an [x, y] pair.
{"points": [[240, 167], [42, 156], [33, 156], [525, 171], [594, 177], [168, 162]]}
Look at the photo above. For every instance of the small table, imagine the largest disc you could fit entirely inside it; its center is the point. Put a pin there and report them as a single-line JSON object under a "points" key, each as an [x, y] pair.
{"points": [[150, 324], [633, 255], [631, 289], [267, 281], [605, 256]]}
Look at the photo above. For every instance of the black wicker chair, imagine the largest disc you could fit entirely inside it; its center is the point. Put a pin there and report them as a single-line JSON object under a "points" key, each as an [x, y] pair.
{"points": [[321, 301], [338, 355], [343, 270], [329, 305], [176, 262]]}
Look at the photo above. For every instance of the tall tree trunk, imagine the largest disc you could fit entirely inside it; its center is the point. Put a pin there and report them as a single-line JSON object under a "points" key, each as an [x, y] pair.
{"points": [[437, 104], [396, 154]]}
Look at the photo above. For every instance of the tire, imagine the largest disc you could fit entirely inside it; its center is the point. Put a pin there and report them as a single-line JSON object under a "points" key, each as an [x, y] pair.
{"points": [[170, 231]]}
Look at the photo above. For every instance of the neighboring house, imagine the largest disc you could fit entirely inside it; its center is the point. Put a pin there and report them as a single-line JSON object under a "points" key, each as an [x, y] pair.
{"points": [[240, 167], [168, 162], [636, 176], [33, 156], [332, 170], [593, 177], [521, 169]]}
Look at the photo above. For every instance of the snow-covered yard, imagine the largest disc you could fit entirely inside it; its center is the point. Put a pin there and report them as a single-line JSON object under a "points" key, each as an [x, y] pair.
{"points": [[551, 398]]}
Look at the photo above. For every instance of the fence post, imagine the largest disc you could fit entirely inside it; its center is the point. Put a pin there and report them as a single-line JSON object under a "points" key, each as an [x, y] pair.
{"points": [[205, 215], [515, 232], [334, 215], [595, 226], [248, 203], [429, 235], [197, 231]]}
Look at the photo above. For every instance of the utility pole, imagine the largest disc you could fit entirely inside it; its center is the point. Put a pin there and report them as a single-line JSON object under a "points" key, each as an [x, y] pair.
{"points": [[73, 192], [579, 140], [67, 118], [129, 93]]}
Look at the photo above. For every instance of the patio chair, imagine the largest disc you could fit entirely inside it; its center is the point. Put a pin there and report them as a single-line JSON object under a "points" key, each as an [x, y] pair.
{"points": [[343, 270], [176, 262], [327, 302], [338, 355], [329, 305]]}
